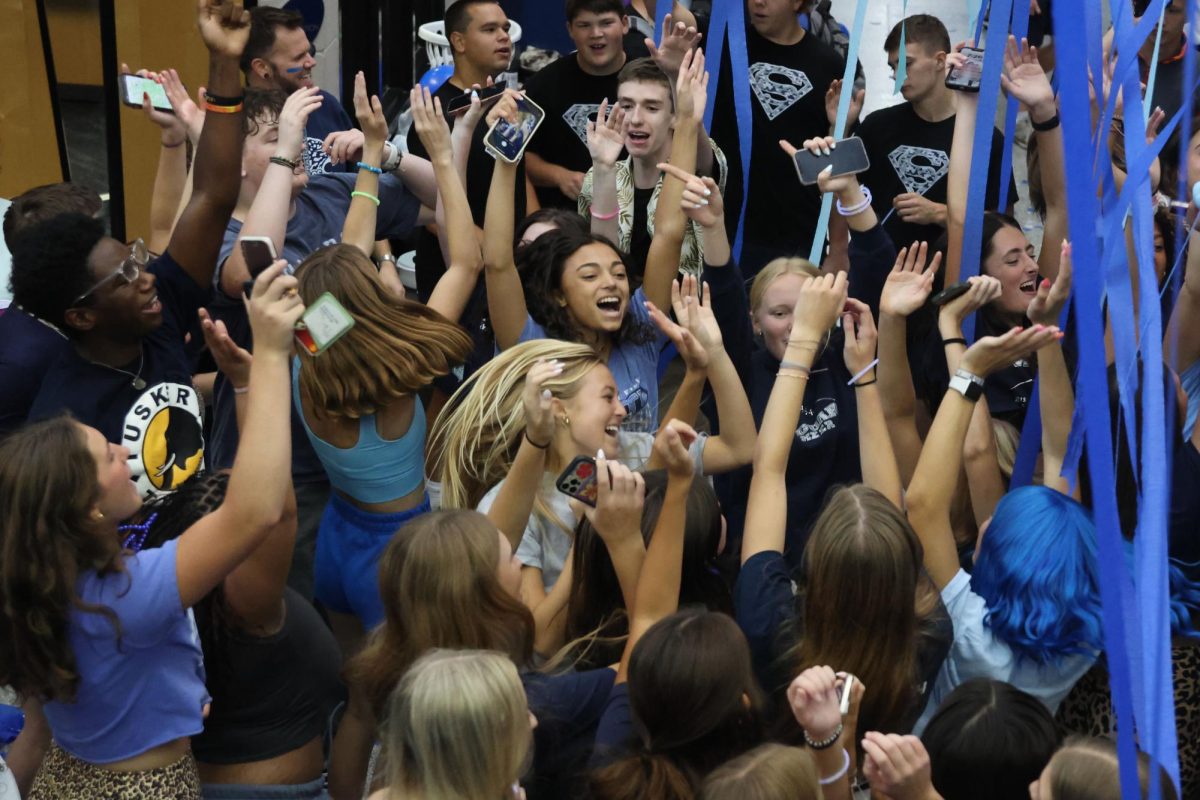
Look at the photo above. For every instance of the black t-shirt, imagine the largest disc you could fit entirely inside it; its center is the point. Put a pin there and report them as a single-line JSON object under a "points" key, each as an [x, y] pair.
{"points": [[1184, 537], [640, 29], [788, 85], [909, 154], [160, 423], [570, 97], [639, 237]]}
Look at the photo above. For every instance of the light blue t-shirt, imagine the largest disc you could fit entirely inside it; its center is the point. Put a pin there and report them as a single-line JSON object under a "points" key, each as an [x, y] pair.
{"points": [[634, 367], [976, 653], [144, 690]]}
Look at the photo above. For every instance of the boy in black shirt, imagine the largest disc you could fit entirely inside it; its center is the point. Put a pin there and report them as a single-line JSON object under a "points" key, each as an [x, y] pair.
{"points": [[909, 144], [789, 74]]}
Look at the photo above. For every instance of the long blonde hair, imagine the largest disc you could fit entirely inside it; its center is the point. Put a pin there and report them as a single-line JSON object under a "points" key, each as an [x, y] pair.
{"points": [[777, 268], [457, 727], [477, 435], [395, 347]]}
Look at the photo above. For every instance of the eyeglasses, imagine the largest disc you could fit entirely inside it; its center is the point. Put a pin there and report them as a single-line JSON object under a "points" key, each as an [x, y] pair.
{"points": [[129, 270]]}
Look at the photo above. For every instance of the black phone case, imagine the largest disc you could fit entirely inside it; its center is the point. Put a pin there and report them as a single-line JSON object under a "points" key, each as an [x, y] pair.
{"points": [[463, 102], [950, 293], [956, 80], [578, 480], [850, 157]]}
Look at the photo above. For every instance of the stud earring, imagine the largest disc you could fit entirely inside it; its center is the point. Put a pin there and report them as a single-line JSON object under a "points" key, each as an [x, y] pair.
{"points": [[565, 420]]}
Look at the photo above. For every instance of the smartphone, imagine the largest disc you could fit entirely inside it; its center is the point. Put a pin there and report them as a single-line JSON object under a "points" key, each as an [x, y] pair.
{"points": [[844, 692], [967, 77], [134, 87], [849, 157], [259, 253], [507, 141], [322, 324], [950, 293], [487, 95], [578, 480]]}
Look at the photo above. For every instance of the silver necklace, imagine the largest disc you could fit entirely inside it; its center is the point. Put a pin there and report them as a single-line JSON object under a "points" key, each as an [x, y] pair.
{"points": [[137, 383]]}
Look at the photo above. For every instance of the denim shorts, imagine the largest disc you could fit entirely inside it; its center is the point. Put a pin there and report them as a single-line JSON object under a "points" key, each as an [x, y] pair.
{"points": [[349, 544], [313, 790]]}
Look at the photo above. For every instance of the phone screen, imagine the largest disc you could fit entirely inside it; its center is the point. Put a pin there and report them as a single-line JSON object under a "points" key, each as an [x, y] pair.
{"points": [[508, 141], [848, 158], [968, 77], [134, 87]]}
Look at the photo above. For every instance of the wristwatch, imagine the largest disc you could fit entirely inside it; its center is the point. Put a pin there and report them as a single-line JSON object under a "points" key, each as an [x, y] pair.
{"points": [[385, 257], [391, 157], [968, 385]]}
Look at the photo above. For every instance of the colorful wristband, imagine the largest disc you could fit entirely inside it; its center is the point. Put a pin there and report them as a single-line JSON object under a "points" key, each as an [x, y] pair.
{"points": [[218, 100], [367, 195], [216, 109], [369, 168], [606, 217]]}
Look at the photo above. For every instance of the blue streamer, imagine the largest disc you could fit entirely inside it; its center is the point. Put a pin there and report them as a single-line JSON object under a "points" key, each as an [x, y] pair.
{"points": [[839, 127], [660, 14], [728, 21], [1152, 78], [902, 56], [1020, 29]]}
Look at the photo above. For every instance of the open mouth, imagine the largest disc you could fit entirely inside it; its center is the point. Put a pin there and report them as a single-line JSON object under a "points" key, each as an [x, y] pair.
{"points": [[598, 48], [1029, 286], [609, 305], [152, 306], [503, 51], [638, 137], [612, 430]]}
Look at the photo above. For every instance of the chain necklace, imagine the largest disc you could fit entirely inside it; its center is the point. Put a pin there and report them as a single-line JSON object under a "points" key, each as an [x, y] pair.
{"points": [[138, 383]]}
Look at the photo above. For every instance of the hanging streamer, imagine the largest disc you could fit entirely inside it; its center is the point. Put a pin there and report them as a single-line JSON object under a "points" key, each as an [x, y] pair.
{"points": [[728, 22], [1152, 78], [902, 56], [660, 14], [839, 127], [1020, 28]]}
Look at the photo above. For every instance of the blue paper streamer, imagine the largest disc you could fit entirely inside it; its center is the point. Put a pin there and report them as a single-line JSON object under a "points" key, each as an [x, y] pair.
{"points": [[902, 56], [839, 127], [660, 14], [1152, 78], [728, 21], [1020, 29]]}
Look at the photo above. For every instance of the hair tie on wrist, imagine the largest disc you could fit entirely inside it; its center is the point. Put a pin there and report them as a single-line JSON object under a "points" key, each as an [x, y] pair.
{"points": [[605, 217], [794, 366], [369, 168], [861, 384], [367, 195], [535, 444], [854, 381], [955, 340]]}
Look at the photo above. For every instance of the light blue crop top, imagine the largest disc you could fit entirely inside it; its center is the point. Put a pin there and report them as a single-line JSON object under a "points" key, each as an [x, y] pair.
{"points": [[375, 470]]}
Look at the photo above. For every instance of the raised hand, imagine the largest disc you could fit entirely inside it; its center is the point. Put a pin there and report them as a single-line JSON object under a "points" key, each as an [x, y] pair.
{"points": [[432, 129], [996, 352], [677, 40], [224, 26], [188, 111], [910, 282], [815, 704], [822, 146], [983, 290], [833, 96], [232, 360], [369, 113], [702, 199], [605, 134], [173, 130], [274, 307], [620, 496], [820, 303], [897, 766], [671, 443], [691, 88], [695, 313], [1025, 80], [1046, 307], [292, 119], [695, 355], [535, 399], [861, 337]]}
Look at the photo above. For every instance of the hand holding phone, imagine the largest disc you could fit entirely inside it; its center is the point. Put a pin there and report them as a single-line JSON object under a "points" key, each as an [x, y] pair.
{"points": [[507, 140], [487, 96], [135, 87], [847, 157], [259, 253], [578, 480], [969, 75]]}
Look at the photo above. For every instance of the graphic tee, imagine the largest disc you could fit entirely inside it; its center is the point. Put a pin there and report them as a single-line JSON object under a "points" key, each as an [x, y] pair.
{"points": [[157, 415], [570, 97], [331, 117], [910, 154]]}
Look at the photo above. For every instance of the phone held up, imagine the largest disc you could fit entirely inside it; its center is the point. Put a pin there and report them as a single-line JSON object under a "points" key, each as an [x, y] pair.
{"points": [[967, 77], [134, 87], [578, 480], [506, 140], [487, 96], [847, 156]]}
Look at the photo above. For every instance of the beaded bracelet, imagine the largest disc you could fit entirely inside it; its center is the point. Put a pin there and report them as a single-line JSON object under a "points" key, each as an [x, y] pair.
{"points": [[369, 168], [367, 195], [825, 743], [857, 208]]}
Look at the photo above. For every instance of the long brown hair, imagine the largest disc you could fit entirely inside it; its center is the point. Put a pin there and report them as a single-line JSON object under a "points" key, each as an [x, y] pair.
{"points": [[395, 347], [864, 594], [438, 584], [48, 488]]}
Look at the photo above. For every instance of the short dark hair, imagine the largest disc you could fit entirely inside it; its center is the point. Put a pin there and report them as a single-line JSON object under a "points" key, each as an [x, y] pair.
{"points": [[923, 29], [263, 22], [49, 265], [261, 106], [576, 7], [43, 202], [988, 741], [644, 70], [458, 15]]}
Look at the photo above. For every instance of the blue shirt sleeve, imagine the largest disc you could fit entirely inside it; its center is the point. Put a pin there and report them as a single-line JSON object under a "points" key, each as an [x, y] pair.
{"points": [[614, 736], [732, 310], [568, 708], [763, 601]]}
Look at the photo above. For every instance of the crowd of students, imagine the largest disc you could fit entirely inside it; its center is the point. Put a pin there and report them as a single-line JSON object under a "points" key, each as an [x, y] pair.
{"points": [[233, 568]]}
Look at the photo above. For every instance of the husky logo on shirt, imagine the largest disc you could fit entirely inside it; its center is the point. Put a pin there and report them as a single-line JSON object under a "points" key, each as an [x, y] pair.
{"points": [[165, 439], [777, 88], [637, 409], [578, 116], [819, 420], [919, 168], [316, 162]]}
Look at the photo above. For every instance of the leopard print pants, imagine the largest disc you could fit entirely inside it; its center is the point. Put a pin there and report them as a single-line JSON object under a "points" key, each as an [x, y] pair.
{"points": [[64, 777]]}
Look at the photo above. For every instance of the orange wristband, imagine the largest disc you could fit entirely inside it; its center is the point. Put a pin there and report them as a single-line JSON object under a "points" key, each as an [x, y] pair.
{"points": [[222, 109]]}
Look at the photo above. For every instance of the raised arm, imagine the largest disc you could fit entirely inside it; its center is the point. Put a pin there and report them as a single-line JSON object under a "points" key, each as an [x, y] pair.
{"points": [[906, 290], [878, 462], [1056, 395], [359, 228], [959, 178], [256, 499], [506, 295], [820, 303], [932, 488], [679, 35], [1026, 82], [657, 594], [196, 240], [605, 142], [845, 188], [269, 212], [662, 260], [171, 176], [454, 288]]}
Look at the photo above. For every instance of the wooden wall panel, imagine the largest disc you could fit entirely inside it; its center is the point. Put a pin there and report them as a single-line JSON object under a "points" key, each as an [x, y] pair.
{"points": [[28, 144], [75, 40]]}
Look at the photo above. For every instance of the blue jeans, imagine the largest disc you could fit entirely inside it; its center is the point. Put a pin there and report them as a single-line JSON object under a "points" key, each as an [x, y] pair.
{"points": [[314, 790]]}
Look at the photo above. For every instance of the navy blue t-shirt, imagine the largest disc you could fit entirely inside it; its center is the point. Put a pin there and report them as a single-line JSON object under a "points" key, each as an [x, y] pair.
{"points": [[28, 348], [568, 708], [320, 214], [161, 424], [331, 117], [1184, 530]]}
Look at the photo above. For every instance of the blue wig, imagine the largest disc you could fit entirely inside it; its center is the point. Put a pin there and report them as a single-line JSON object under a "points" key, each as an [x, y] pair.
{"points": [[1037, 572]]}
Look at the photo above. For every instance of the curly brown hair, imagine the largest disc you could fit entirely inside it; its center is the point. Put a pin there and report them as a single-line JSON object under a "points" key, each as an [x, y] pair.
{"points": [[395, 348], [48, 536]]}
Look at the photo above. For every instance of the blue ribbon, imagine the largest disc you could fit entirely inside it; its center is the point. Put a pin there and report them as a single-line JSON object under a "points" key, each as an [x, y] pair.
{"points": [[660, 14], [1020, 29], [729, 20], [902, 57], [839, 127]]}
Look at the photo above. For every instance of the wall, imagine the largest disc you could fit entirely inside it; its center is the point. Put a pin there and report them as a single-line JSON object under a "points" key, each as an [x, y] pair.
{"points": [[28, 145]]}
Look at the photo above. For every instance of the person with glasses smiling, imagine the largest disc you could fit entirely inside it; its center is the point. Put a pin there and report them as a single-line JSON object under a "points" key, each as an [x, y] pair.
{"points": [[125, 313]]}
